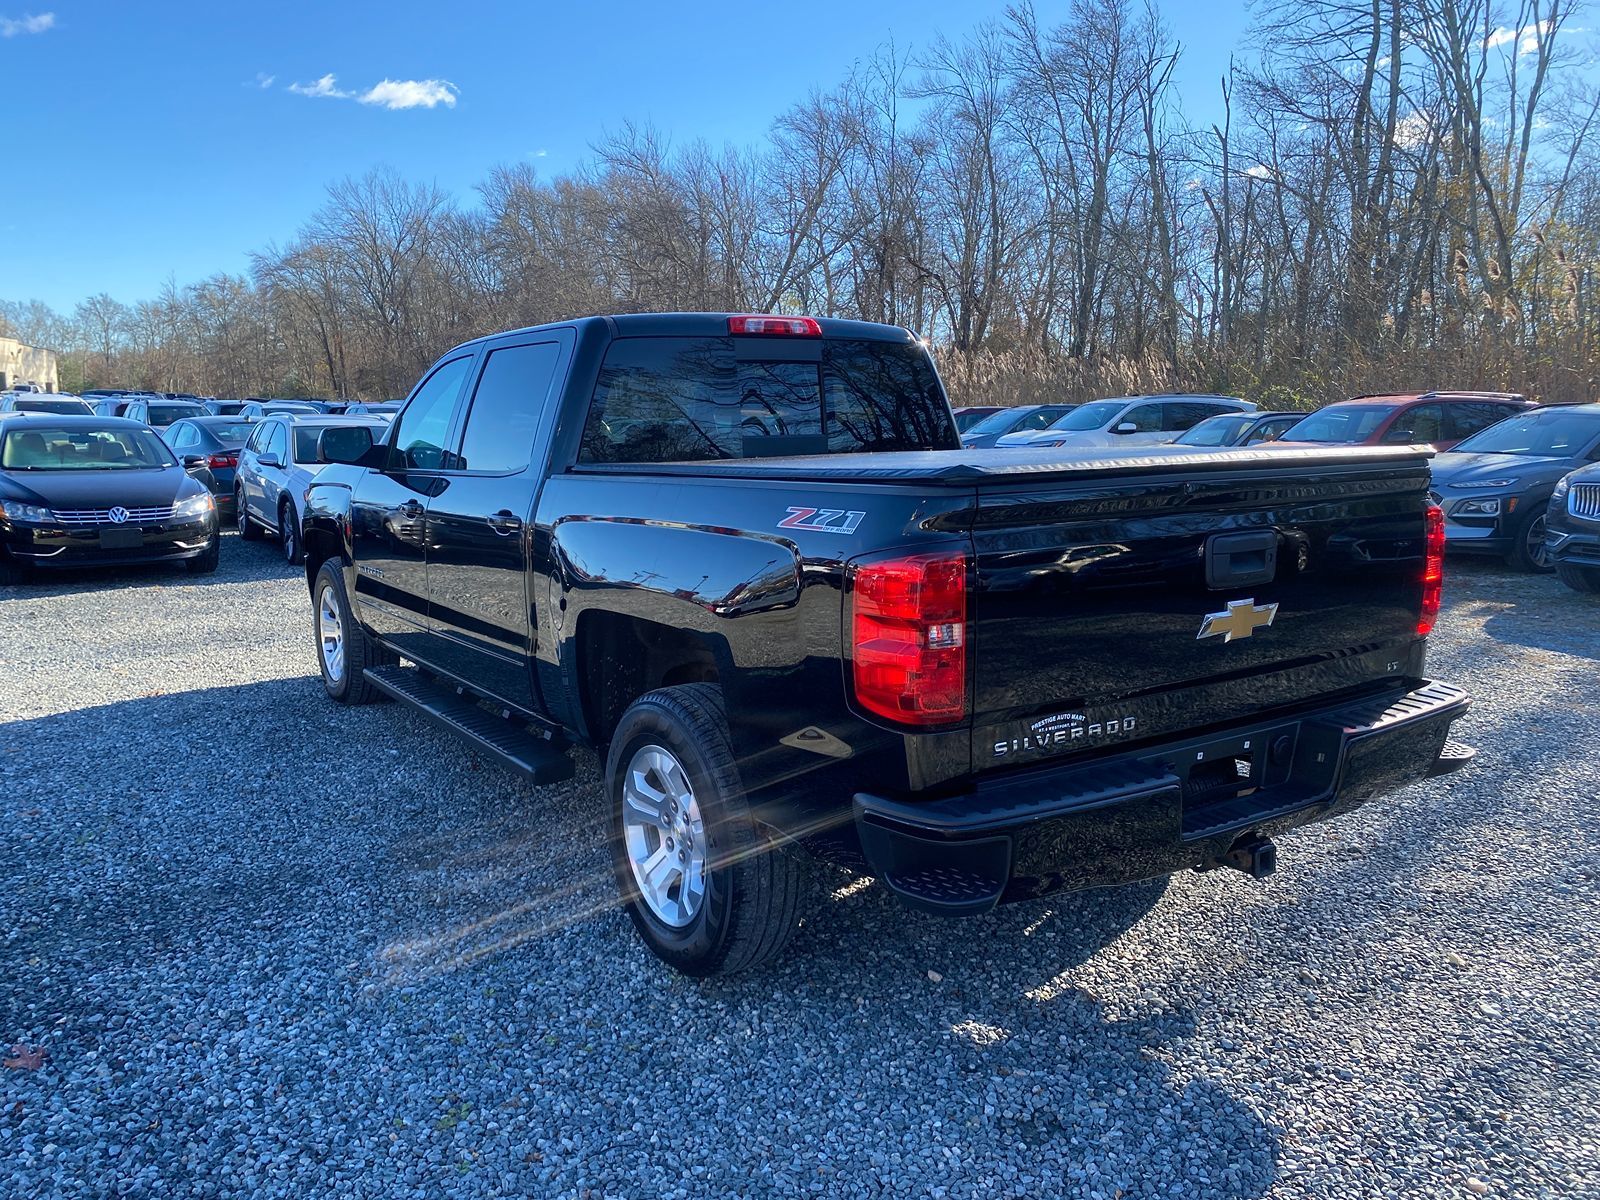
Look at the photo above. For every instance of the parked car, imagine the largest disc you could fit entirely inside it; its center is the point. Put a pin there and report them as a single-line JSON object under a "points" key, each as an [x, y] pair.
{"points": [[1227, 430], [79, 491], [278, 460], [223, 408], [1573, 529], [1437, 419], [160, 412], [969, 415], [255, 410], [1495, 486], [59, 403], [1128, 421], [989, 676], [209, 448], [386, 409], [1011, 420]]}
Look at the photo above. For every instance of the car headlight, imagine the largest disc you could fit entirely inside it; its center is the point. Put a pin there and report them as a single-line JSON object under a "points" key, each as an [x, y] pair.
{"points": [[1487, 506], [1562, 487], [195, 506], [26, 514]]}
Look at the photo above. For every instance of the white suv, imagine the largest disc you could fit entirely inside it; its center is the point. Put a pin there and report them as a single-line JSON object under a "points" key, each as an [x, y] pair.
{"points": [[1128, 421]]}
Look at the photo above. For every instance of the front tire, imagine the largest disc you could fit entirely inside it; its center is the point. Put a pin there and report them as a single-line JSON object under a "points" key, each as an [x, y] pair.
{"points": [[289, 530], [1579, 578], [248, 530], [344, 651], [206, 562], [707, 888], [1528, 551]]}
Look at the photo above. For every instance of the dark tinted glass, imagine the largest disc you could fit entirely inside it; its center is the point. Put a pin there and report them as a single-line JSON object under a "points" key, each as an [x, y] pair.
{"points": [[1424, 423], [166, 414], [1465, 419], [1186, 414], [512, 391], [423, 427], [682, 399]]}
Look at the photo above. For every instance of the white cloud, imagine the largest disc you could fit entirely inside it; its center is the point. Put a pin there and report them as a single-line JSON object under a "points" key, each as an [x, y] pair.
{"points": [[411, 93], [1260, 171], [263, 80], [323, 87], [540, 153], [1527, 38], [1413, 130], [390, 93], [12, 26]]}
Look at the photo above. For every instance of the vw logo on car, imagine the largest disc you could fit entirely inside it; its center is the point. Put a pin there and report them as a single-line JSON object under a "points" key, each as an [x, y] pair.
{"points": [[117, 515]]}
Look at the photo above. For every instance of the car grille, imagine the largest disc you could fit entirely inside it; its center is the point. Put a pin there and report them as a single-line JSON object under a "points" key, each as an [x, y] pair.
{"points": [[1583, 500], [102, 516]]}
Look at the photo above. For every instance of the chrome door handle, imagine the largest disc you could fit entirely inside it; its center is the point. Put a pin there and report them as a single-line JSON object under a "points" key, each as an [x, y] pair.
{"points": [[410, 509], [505, 522]]}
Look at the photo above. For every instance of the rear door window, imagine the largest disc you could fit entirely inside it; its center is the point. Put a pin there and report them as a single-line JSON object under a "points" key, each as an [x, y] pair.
{"points": [[680, 399], [1186, 414], [1421, 423], [512, 391]]}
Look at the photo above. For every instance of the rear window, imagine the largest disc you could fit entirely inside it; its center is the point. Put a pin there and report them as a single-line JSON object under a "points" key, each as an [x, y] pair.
{"points": [[79, 407], [682, 399], [166, 414]]}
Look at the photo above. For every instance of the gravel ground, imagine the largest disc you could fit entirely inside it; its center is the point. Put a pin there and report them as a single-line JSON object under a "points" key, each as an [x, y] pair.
{"points": [[274, 948]]}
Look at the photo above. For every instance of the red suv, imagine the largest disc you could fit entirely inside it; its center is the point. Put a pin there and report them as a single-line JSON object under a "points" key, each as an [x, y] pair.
{"points": [[1439, 419]]}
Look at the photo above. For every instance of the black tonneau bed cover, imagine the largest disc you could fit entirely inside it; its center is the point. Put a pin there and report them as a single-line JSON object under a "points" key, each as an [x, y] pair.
{"points": [[964, 468]]}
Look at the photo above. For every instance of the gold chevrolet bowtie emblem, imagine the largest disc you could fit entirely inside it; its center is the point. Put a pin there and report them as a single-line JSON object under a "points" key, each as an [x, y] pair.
{"points": [[1239, 620]]}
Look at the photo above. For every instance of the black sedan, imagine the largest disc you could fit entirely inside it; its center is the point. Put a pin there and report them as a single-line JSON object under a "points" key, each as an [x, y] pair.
{"points": [[1227, 430], [209, 448], [1024, 418], [97, 491], [1495, 486]]}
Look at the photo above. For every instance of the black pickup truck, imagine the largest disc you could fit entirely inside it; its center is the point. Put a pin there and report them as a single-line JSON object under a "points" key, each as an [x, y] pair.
{"points": [[747, 561]]}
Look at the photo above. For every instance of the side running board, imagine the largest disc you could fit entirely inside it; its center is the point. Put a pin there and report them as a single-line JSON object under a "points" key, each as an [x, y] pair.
{"points": [[542, 760]]}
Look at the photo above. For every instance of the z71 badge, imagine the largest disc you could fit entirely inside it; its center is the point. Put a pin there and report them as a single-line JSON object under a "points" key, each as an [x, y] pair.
{"points": [[822, 520]]}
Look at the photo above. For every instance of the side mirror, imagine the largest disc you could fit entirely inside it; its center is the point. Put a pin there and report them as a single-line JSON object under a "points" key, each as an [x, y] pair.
{"points": [[193, 462], [349, 444], [269, 460], [1126, 427]]}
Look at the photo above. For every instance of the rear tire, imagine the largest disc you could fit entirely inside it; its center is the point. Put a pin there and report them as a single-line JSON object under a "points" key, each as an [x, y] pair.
{"points": [[1579, 578], [1528, 552], [344, 662], [289, 530], [249, 531], [751, 887], [205, 563]]}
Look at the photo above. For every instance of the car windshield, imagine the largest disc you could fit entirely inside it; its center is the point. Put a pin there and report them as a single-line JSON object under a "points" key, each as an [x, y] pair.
{"points": [[967, 418], [63, 405], [1091, 416], [1213, 431], [995, 422], [1537, 435], [1346, 423], [69, 448], [162, 415]]}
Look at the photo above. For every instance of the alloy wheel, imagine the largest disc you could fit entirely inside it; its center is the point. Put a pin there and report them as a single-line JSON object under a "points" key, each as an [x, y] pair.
{"points": [[664, 836], [330, 635]]}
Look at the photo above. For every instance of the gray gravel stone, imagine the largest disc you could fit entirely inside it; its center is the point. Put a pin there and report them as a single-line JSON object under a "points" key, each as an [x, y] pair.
{"points": [[276, 948]]}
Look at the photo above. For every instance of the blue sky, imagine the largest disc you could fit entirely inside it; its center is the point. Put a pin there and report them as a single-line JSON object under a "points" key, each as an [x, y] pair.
{"points": [[159, 153]]}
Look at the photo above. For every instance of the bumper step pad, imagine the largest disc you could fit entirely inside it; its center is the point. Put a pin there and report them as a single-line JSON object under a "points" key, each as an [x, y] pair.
{"points": [[542, 759]]}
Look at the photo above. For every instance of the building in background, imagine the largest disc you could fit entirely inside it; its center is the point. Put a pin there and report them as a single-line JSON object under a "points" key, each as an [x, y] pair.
{"points": [[21, 364]]}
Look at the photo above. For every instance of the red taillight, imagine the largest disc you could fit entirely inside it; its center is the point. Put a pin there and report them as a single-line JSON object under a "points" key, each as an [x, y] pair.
{"points": [[775, 326], [219, 461], [1432, 569], [909, 638]]}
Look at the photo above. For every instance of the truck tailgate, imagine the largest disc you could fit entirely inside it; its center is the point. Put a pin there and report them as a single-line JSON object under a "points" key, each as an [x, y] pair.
{"points": [[1110, 611]]}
